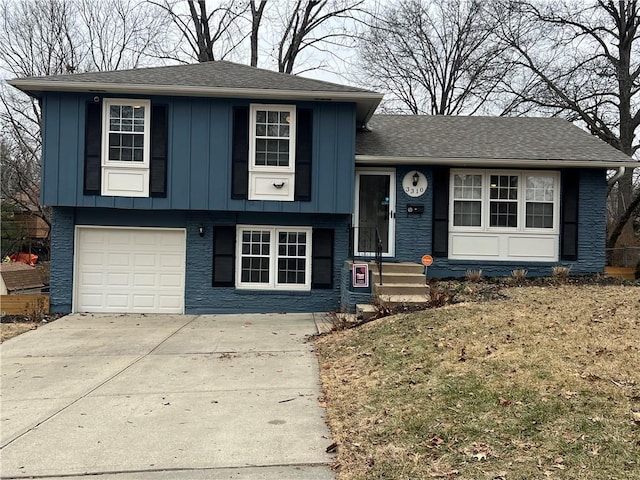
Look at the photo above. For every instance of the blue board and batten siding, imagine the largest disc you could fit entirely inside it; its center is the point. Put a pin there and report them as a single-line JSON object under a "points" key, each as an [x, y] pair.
{"points": [[414, 233], [199, 160], [200, 295]]}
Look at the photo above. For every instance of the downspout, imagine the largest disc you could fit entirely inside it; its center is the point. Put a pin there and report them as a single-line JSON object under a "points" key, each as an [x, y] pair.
{"points": [[612, 181]]}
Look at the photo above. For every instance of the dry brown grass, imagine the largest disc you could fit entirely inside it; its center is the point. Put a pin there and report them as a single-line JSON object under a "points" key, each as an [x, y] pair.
{"points": [[10, 330], [541, 384]]}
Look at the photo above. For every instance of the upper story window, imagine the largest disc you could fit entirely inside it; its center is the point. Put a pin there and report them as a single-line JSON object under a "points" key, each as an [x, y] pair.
{"points": [[127, 128], [504, 201], [272, 152], [126, 147]]}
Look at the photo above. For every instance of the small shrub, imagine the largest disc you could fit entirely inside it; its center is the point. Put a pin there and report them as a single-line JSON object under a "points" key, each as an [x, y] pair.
{"points": [[36, 311], [519, 275], [560, 272], [474, 275], [439, 297]]}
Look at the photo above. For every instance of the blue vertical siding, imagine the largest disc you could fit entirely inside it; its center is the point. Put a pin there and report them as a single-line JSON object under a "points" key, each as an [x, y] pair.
{"points": [[199, 173]]}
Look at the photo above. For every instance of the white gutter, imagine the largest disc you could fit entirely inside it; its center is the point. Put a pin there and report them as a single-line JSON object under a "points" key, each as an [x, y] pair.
{"points": [[611, 182], [492, 162]]}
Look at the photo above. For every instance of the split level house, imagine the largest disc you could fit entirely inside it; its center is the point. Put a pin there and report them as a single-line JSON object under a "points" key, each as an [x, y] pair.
{"points": [[220, 187]]}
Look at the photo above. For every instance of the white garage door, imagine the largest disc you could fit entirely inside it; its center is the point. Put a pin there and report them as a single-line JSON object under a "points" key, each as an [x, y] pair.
{"points": [[132, 270]]}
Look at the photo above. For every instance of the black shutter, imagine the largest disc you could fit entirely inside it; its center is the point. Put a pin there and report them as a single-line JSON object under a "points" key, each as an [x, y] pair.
{"points": [[158, 169], [440, 224], [304, 149], [224, 256], [92, 149], [570, 186], [240, 153], [322, 258]]}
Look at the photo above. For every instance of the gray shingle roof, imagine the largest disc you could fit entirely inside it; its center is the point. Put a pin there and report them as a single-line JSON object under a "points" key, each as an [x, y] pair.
{"points": [[219, 74], [512, 139], [210, 79]]}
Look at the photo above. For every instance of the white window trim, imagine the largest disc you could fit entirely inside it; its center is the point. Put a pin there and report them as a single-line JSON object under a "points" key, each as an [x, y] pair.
{"points": [[485, 201], [108, 102], [273, 258], [519, 244], [272, 182], [252, 138], [136, 172]]}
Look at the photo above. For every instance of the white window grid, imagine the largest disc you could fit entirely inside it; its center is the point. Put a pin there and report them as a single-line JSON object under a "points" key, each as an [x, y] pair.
{"points": [[503, 200], [272, 142], [539, 201], [127, 126], [467, 200], [274, 258], [543, 190]]}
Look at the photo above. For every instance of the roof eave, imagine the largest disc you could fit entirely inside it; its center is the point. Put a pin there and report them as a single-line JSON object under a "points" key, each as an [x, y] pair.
{"points": [[366, 102], [493, 162]]}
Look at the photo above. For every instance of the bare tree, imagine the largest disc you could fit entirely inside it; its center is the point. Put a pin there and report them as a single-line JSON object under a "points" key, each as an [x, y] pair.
{"points": [[36, 38], [210, 34], [122, 33], [311, 25], [49, 37], [256, 19], [439, 58], [579, 60], [219, 30]]}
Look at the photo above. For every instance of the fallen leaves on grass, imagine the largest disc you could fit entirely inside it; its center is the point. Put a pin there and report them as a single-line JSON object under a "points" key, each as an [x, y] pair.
{"points": [[524, 382]]}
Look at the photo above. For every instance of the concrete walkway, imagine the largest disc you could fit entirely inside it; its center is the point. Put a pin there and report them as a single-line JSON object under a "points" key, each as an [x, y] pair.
{"points": [[164, 397]]}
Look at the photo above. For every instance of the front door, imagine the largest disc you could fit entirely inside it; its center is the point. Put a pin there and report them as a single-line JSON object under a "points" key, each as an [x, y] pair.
{"points": [[375, 212]]}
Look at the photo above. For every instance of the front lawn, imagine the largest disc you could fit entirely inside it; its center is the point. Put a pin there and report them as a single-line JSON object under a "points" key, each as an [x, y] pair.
{"points": [[540, 382]]}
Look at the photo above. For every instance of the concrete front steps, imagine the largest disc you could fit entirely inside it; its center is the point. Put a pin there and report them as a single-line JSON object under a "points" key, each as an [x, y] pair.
{"points": [[402, 284]]}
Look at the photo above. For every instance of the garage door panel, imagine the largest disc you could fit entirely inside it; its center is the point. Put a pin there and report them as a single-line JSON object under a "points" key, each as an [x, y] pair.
{"points": [[144, 260], [91, 279], [94, 237], [148, 280], [169, 302], [92, 258], [168, 280], [149, 239], [130, 270], [114, 300], [144, 301], [121, 240], [91, 300], [117, 280], [170, 261]]}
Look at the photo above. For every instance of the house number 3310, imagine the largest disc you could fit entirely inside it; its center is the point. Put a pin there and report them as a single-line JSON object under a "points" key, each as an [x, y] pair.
{"points": [[414, 184]]}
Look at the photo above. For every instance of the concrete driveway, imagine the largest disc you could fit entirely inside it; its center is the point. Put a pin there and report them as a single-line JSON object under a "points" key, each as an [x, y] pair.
{"points": [[164, 397]]}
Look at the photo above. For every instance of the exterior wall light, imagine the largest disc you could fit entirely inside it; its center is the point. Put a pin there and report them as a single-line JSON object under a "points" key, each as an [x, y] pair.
{"points": [[201, 230]]}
